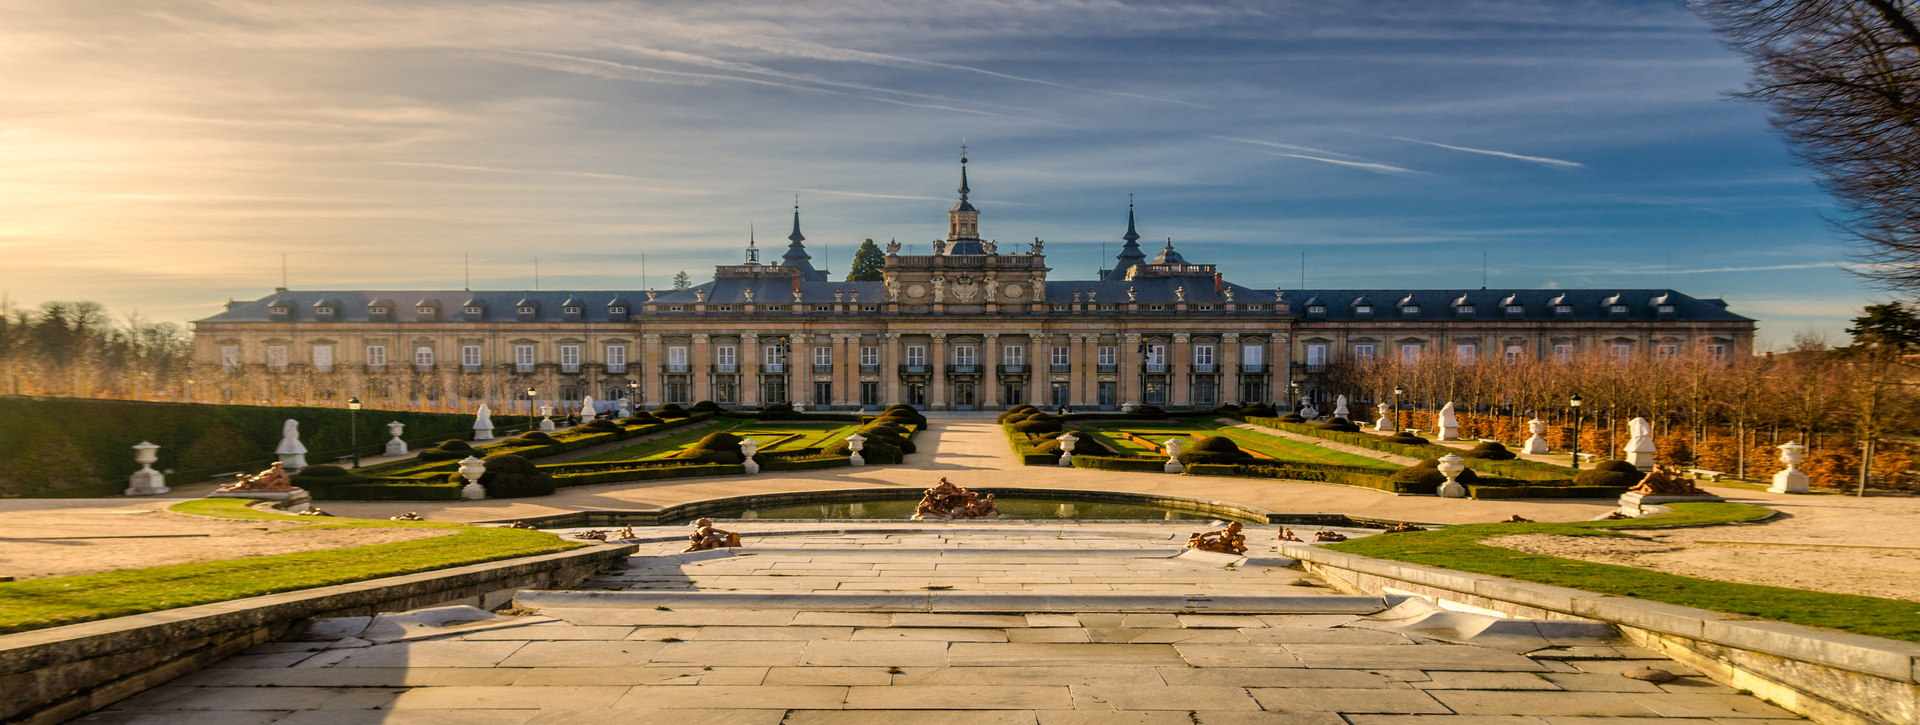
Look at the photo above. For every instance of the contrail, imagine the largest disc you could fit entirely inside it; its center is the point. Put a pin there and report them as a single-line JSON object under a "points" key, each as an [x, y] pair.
{"points": [[1376, 168], [1502, 154]]}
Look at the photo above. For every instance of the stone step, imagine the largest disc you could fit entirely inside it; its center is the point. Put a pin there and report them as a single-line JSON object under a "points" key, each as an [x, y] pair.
{"points": [[1009, 602]]}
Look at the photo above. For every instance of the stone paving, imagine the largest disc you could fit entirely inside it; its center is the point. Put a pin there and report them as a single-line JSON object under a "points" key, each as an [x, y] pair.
{"points": [[629, 661]]}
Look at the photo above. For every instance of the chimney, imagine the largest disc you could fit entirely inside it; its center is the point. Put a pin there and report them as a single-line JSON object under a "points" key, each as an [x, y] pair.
{"points": [[1219, 283]]}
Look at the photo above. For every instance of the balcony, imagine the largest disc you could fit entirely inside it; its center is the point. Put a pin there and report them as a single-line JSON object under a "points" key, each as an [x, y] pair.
{"points": [[1316, 367], [1106, 368], [674, 368], [1013, 370], [963, 369], [323, 368], [773, 368], [569, 368], [913, 369], [870, 368], [470, 368], [1060, 368], [419, 368], [616, 367], [1153, 367], [1203, 367], [726, 367], [371, 368], [1253, 369], [819, 368]]}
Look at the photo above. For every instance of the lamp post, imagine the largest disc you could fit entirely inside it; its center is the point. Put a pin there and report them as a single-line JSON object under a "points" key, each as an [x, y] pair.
{"points": [[1574, 403], [633, 394], [531, 426], [1397, 392], [1293, 395], [353, 425]]}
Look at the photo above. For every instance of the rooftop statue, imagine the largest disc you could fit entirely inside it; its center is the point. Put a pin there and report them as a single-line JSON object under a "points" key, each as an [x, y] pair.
{"points": [[893, 247]]}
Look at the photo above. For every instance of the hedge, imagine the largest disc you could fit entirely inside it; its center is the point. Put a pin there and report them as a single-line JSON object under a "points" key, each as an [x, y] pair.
{"points": [[1364, 476], [1546, 491], [1521, 469], [804, 464], [654, 473], [567, 440], [388, 491], [1105, 463], [83, 446]]}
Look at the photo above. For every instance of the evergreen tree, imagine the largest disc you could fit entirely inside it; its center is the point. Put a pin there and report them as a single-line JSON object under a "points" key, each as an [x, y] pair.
{"points": [[867, 263], [681, 280]]}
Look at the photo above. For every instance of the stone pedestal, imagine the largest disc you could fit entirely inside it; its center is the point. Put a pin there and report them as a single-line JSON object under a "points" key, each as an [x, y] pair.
{"points": [[546, 418], [293, 461], [1635, 504], [1448, 424], [1642, 460], [1789, 481], [298, 495], [1386, 417], [751, 466], [396, 447], [146, 481], [1452, 489], [1536, 442], [472, 469]]}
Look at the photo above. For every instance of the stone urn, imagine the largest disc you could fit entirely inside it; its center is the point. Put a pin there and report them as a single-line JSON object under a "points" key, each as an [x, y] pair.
{"points": [[1451, 466], [146, 481], [396, 447], [1173, 446], [854, 443], [1066, 449], [546, 417], [1791, 480], [471, 469], [1386, 417], [1537, 442], [748, 447]]}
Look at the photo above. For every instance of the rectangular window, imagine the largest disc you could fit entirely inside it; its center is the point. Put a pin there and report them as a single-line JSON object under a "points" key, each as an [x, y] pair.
{"points": [[569, 358], [823, 356], [423, 356], [230, 357], [1563, 353], [1717, 353], [323, 358], [1668, 352], [1013, 355], [277, 357], [916, 355], [1106, 355], [376, 355], [616, 358], [1203, 355], [1515, 354], [677, 359], [870, 393], [870, 356], [1465, 354], [1409, 354], [1363, 354], [1252, 354], [1156, 358], [1316, 358], [1060, 355], [1622, 353], [775, 362], [523, 358], [724, 359], [470, 356], [963, 355]]}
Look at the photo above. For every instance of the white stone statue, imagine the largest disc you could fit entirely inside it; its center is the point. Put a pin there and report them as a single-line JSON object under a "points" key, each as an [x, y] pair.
{"points": [[1449, 425], [893, 291], [748, 292], [796, 293], [893, 247], [146, 481], [651, 294], [939, 247], [1038, 246], [1790, 480], [993, 288], [1340, 407], [939, 289], [396, 446], [1090, 294], [1386, 417], [992, 247], [1309, 412], [1132, 294], [853, 296], [1039, 289], [1639, 448], [546, 417], [626, 408], [588, 408], [483, 423], [293, 456], [748, 447], [1279, 295], [699, 294], [1180, 293], [1537, 442], [839, 295], [1076, 295], [1228, 293], [1173, 456]]}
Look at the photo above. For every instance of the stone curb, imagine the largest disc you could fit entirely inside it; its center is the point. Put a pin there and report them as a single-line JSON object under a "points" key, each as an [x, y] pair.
{"points": [[955, 602], [58, 673], [1891, 659]]}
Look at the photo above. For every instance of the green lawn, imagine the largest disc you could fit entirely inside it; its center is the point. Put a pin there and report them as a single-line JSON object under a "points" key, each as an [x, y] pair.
{"points": [[1459, 548], [54, 601], [1112, 433], [773, 436]]}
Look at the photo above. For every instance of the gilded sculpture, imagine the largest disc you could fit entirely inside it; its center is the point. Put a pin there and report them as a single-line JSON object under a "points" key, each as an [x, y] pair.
{"points": [[706, 538], [947, 501], [1225, 541]]}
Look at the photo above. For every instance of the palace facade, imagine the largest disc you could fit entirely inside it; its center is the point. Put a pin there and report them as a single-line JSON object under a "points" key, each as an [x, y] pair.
{"points": [[969, 327]]}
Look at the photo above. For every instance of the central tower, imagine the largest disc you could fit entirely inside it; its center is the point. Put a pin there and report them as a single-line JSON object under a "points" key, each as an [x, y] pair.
{"points": [[963, 222]]}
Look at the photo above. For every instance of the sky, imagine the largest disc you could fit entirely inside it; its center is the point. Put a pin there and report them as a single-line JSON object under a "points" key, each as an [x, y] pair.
{"points": [[163, 157]]}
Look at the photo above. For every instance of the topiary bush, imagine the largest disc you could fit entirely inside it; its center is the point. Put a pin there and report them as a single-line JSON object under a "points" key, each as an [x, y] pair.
{"points": [[1609, 473], [510, 476], [1293, 418], [324, 476], [671, 410], [1425, 477], [904, 413], [719, 447], [1340, 424], [447, 451], [1406, 439], [641, 418], [1214, 449], [1261, 410], [1017, 413], [1084, 447], [1037, 423], [1149, 412], [890, 435], [706, 406], [875, 450], [602, 425], [1489, 451], [533, 437]]}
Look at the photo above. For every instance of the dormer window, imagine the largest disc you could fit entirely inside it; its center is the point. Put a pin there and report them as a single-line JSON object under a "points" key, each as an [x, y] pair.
{"points": [[773, 308], [1363, 309], [1617, 309], [1316, 309], [723, 308], [428, 311], [326, 311], [676, 308], [1203, 308], [1156, 308], [1666, 309], [1465, 309], [570, 310], [1255, 308], [278, 310], [525, 310], [473, 309], [616, 310], [377, 310], [1563, 309], [1409, 309], [1516, 310]]}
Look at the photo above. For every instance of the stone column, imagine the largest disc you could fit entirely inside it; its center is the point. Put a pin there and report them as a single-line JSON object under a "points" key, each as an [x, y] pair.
{"points": [[1129, 376], [651, 373], [890, 370], [990, 398], [1087, 369], [800, 367], [937, 357], [1037, 386], [1228, 363], [1181, 370], [749, 360], [1281, 360], [846, 372], [1076, 393], [702, 369]]}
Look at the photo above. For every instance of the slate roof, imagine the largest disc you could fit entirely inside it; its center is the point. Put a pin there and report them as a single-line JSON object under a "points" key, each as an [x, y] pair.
{"points": [[1435, 305]]}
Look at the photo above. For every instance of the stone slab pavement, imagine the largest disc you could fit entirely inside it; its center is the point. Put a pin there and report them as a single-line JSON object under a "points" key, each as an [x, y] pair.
{"points": [[767, 666]]}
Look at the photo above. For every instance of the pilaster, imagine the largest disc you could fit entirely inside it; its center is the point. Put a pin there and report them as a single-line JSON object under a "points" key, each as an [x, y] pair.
{"points": [[1182, 370], [990, 397], [937, 395]]}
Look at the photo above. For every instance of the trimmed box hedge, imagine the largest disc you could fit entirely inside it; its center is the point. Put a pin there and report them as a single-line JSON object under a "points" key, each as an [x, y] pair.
{"points": [[1107, 463], [1519, 469], [1494, 492], [388, 491], [1300, 471]]}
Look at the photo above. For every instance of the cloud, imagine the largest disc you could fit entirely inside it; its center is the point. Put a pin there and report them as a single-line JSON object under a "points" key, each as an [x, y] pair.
{"points": [[1502, 154], [1377, 168]]}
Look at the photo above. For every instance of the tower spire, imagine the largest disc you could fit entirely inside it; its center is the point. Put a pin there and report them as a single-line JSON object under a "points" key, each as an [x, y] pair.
{"points": [[796, 237], [1132, 236], [753, 253], [963, 170]]}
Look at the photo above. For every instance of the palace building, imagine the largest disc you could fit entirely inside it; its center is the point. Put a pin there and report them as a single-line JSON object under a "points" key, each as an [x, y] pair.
{"points": [[971, 326]]}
